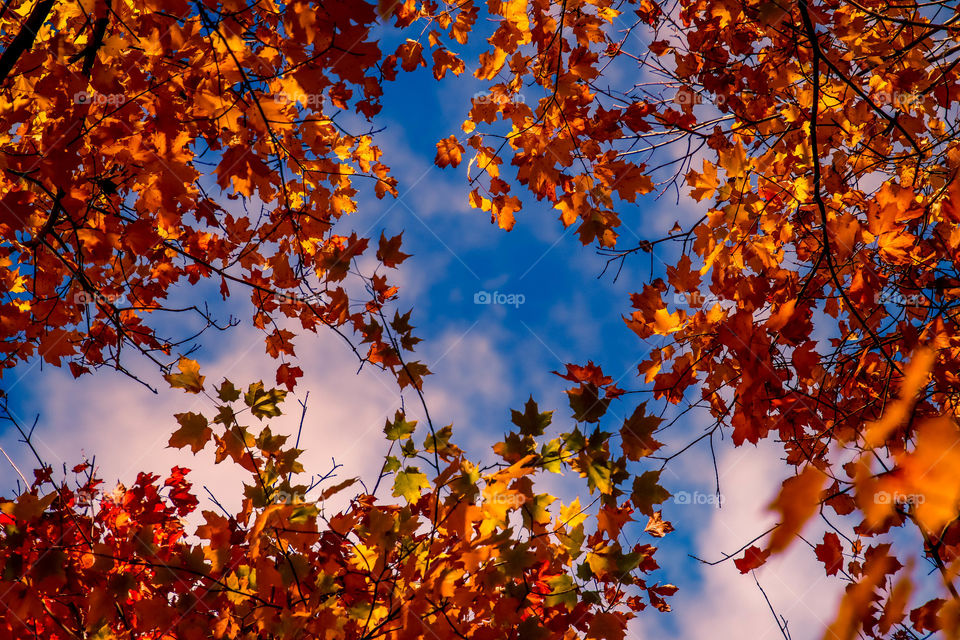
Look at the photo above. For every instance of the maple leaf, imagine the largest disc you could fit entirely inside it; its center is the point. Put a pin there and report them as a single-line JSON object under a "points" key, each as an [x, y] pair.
{"points": [[263, 403], [399, 429], [411, 55], [280, 341], [228, 392], [562, 592], [586, 403], [704, 184], [637, 434], [449, 152], [648, 492], [531, 421], [189, 378], [409, 483], [830, 553], [389, 251], [798, 500], [607, 626], [753, 557], [657, 526], [411, 374], [928, 474], [193, 432], [287, 375]]}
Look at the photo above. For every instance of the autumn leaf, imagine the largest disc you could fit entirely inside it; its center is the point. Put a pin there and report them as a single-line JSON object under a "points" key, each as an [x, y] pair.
{"points": [[830, 553], [389, 251], [263, 403], [193, 432], [648, 492], [409, 483], [637, 434], [189, 378], [531, 421], [562, 592], [228, 392], [449, 152], [607, 626], [411, 374], [798, 500], [753, 557], [399, 429], [657, 526], [896, 412], [287, 375], [586, 402]]}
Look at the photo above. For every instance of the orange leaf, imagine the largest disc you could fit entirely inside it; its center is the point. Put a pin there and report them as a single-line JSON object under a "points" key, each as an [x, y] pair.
{"points": [[449, 152], [189, 378], [798, 500]]}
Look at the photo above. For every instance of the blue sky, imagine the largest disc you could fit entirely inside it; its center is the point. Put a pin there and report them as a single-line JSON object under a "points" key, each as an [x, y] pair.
{"points": [[486, 359]]}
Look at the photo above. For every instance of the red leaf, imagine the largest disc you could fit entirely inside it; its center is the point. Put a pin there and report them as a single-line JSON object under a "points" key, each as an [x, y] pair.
{"points": [[830, 553], [752, 558]]}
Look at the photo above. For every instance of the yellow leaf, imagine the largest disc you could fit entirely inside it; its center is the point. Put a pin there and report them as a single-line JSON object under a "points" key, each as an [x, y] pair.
{"points": [[572, 515], [930, 472], [665, 322], [189, 378], [704, 184]]}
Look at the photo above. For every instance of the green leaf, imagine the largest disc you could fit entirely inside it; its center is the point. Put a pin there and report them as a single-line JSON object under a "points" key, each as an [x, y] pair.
{"points": [[263, 403], [610, 560], [303, 513], [409, 484], [551, 456], [391, 464], [531, 421], [598, 475], [399, 429], [646, 492], [440, 442], [562, 591], [227, 392]]}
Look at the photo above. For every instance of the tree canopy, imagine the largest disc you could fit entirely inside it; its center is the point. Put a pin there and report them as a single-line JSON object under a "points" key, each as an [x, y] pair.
{"points": [[150, 148]]}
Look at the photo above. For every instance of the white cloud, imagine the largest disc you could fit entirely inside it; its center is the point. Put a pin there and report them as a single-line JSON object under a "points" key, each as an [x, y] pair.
{"points": [[725, 604], [127, 427]]}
